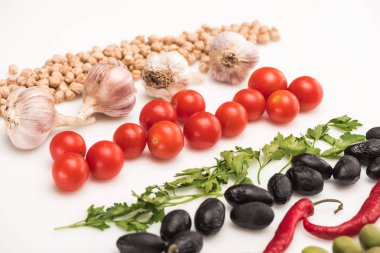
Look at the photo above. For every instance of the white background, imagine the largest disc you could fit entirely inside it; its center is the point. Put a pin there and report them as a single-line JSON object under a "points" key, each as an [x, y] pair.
{"points": [[336, 42]]}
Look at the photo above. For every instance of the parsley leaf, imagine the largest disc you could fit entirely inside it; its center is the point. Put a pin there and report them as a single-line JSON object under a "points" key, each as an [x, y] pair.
{"points": [[272, 150], [292, 146], [340, 144], [345, 123], [317, 133]]}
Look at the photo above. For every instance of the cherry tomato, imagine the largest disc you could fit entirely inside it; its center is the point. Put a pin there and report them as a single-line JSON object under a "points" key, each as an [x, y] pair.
{"points": [[282, 106], [66, 142], [308, 91], [202, 130], [70, 172], [253, 102], [105, 160], [267, 80], [233, 118], [187, 102], [165, 140], [131, 138], [155, 111]]}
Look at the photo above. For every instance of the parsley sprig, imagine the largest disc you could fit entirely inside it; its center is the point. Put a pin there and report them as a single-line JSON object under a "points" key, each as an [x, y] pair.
{"points": [[149, 206], [288, 147]]}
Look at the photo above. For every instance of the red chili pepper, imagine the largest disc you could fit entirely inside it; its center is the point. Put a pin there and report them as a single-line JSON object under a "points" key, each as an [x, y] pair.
{"points": [[368, 213], [285, 231]]}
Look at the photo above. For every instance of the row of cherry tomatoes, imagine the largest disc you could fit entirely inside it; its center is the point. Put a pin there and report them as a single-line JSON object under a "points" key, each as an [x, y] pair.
{"points": [[159, 130]]}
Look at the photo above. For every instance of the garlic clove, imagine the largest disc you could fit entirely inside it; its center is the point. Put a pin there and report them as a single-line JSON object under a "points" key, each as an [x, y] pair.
{"points": [[108, 89], [232, 57], [167, 73]]}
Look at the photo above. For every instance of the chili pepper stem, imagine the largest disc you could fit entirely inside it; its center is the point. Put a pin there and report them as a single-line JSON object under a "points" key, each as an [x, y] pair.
{"points": [[340, 207]]}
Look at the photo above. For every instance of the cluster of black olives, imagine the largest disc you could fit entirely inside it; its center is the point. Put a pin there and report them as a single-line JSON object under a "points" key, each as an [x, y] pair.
{"points": [[251, 206], [176, 236], [308, 172]]}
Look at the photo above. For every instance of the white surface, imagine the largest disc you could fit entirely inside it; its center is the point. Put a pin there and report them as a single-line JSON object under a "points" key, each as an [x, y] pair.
{"points": [[335, 41]]}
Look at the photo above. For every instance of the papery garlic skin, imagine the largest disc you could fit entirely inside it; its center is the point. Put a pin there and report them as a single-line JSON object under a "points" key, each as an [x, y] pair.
{"points": [[167, 73], [232, 57], [108, 89], [30, 117]]}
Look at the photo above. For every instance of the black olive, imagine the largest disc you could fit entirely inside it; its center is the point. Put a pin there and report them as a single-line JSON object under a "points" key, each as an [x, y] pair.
{"points": [[244, 193], [305, 181], [209, 217], [186, 242], [314, 162], [364, 151], [254, 215], [347, 170], [174, 223], [140, 242], [281, 188], [373, 133], [373, 170]]}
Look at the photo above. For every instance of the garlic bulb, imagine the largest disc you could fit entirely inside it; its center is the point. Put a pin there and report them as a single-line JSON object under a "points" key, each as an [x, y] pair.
{"points": [[108, 89], [167, 73], [231, 57], [30, 117]]}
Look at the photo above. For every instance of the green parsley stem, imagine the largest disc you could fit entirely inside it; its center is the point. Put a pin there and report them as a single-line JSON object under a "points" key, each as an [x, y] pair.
{"points": [[190, 198], [260, 169], [286, 165], [74, 225]]}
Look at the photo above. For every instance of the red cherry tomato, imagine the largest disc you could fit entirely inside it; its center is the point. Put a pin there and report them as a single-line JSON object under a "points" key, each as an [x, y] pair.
{"points": [[282, 106], [267, 80], [105, 160], [253, 102], [67, 142], [131, 138], [70, 172], [165, 140], [233, 118], [187, 102], [155, 111], [308, 91], [202, 130]]}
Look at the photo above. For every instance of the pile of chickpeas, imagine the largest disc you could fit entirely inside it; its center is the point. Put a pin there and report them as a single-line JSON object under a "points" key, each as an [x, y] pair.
{"points": [[65, 75]]}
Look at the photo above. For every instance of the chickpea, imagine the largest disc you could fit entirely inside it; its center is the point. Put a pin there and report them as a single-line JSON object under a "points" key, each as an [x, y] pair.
{"points": [[12, 69], [139, 64], [3, 82], [136, 74], [59, 96], [263, 38], [53, 82], [203, 67], [77, 88], [69, 95]]}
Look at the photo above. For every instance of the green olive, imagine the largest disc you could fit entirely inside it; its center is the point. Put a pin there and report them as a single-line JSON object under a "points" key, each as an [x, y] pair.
{"points": [[369, 236], [313, 249], [373, 250], [345, 244]]}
